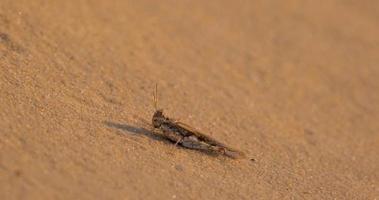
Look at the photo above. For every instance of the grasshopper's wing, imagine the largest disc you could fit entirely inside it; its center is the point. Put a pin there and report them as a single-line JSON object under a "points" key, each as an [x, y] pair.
{"points": [[200, 135], [228, 151]]}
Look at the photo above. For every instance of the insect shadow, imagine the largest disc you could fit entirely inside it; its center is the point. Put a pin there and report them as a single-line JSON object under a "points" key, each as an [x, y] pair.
{"points": [[135, 130], [150, 134]]}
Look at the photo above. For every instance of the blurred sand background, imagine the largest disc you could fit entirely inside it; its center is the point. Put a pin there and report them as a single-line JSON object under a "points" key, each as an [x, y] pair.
{"points": [[294, 84]]}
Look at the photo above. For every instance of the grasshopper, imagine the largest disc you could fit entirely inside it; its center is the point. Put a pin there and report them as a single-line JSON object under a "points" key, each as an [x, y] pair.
{"points": [[186, 136]]}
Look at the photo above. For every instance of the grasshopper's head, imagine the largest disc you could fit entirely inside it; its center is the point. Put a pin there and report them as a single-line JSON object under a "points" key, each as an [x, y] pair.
{"points": [[158, 118]]}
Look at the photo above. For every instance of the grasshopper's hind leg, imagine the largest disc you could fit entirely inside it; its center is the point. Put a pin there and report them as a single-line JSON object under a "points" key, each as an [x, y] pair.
{"points": [[192, 142]]}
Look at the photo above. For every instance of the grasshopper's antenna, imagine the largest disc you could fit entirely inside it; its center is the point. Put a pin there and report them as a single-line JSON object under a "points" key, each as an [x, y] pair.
{"points": [[156, 97]]}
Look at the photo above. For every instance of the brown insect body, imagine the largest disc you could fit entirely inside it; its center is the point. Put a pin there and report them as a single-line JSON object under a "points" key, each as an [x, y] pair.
{"points": [[188, 137]]}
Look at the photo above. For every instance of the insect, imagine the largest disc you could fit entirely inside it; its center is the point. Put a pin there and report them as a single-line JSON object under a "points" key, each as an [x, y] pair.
{"points": [[186, 136]]}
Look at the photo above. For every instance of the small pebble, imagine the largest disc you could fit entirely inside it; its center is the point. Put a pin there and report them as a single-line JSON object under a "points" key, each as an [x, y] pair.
{"points": [[179, 168]]}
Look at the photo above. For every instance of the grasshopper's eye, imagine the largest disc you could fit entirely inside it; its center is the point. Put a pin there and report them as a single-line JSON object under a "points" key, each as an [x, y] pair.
{"points": [[156, 122], [158, 118]]}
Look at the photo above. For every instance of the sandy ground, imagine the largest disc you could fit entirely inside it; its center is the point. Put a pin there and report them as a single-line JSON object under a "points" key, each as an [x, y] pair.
{"points": [[293, 84]]}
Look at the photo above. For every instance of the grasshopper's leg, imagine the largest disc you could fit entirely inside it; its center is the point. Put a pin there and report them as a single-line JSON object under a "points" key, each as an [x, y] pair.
{"points": [[192, 142], [230, 152], [179, 140], [172, 136]]}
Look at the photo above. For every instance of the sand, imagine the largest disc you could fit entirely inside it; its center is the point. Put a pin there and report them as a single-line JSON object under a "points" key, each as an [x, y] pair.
{"points": [[294, 84]]}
